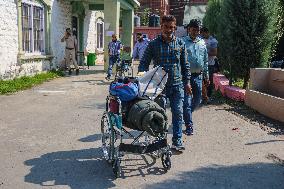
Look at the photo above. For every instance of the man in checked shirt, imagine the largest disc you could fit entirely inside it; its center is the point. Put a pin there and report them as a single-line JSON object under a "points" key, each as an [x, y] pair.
{"points": [[114, 49], [169, 52]]}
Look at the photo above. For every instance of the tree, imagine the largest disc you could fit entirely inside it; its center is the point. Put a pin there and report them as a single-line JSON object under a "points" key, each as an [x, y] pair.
{"points": [[247, 32], [212, 15]]}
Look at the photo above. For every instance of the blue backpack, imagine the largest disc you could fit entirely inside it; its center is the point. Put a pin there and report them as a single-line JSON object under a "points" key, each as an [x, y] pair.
{"points": [[126, 92]]}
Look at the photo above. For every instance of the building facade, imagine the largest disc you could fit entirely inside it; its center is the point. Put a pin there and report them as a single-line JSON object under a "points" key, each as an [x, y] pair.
{"points": [[159, 7], [184, 10], [30, 31]]}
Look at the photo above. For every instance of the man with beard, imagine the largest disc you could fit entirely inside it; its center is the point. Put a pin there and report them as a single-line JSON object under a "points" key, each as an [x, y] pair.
{"points": [[114, 49], [169, 52], [140, 46], [198, 60]]}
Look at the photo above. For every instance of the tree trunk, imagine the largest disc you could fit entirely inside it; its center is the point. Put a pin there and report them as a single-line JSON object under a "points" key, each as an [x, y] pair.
{"points": [[246, 80]]}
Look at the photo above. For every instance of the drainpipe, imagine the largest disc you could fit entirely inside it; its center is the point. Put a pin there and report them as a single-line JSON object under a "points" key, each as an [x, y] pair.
{"points": [[48, 33]]}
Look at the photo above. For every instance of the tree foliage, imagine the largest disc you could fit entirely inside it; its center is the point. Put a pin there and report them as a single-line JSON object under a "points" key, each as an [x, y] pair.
{"points": [[144, 16], [247, 31], [211, 18]]}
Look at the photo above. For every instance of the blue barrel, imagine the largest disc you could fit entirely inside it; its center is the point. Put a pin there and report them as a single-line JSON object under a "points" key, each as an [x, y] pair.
{"points": [[136, 21], [154, 21]]}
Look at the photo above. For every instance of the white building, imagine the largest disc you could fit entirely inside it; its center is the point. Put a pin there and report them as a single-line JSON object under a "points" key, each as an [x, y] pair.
{"points": [[30, 31]]}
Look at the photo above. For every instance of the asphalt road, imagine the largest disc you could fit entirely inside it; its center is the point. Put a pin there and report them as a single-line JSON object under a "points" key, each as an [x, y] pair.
{"points": [[50, 138]]}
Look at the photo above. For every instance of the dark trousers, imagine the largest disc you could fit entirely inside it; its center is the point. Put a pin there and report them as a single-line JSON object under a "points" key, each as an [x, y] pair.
{"points": [[113, 59], [212, 70], [176, 97], [191, 102]]}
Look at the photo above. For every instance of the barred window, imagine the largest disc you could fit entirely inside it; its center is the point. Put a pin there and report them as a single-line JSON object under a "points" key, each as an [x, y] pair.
{"points": [[100, 34], [32, 28], [26, 30]]}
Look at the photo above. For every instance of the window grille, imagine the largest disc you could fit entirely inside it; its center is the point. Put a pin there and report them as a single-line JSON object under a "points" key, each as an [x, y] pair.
{"points": [[100, 34], [32, 28]]}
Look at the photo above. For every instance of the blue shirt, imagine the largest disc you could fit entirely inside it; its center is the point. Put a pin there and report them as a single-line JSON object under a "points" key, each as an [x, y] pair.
{"points": [[211, 43], [197, 55], [169, 55], [114, 47], [139, 49]]}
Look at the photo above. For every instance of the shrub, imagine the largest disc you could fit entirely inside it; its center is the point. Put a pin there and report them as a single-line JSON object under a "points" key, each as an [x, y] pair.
{"points": [[247, 31]]}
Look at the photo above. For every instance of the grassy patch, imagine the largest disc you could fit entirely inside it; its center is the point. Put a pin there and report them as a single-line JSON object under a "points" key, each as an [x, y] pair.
{"points": [[239, 83], [26, 82], [219, 99]]}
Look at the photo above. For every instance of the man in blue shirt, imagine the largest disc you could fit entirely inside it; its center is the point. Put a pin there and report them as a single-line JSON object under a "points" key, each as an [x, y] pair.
{"points": [[114, 48], [213, 67], [140, 46], [198, 59], [169, 52]]}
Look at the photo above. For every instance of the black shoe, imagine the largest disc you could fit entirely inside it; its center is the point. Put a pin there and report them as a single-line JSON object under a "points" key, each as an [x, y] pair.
{"points": [[107, 78], [70, 72], [77, 71], [177, 145], [189, 130]]}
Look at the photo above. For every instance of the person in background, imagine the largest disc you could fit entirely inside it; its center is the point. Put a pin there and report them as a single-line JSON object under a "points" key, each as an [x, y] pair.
{"points": [[70, 50], [114, 49], [169, 52], [198, 60], [213, 66], [140, 46]]}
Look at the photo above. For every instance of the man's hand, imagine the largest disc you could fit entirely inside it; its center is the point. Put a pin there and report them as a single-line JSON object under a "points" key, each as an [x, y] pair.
{"points": [[187, 89], [140, 73]]}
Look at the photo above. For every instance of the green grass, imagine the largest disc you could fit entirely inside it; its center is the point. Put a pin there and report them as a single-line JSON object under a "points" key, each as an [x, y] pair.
{"points": [[26, 82], [239, 83], [220, 99]]}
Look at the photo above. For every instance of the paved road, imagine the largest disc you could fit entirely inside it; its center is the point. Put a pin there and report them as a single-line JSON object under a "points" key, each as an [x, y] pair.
{"points": [[50, 138]]}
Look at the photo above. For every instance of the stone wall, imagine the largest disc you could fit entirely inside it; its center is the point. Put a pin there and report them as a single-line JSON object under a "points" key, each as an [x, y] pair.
{"points": [[90, 33], [61, 14], [8, 39], [10, 65], [266, 92], [60, 20]]}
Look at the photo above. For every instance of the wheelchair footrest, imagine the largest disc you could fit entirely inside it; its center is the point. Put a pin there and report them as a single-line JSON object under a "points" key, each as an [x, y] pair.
{"points": [[138, 149]]}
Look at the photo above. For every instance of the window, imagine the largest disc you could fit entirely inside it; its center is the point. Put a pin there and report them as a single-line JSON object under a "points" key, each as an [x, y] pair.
{"points": [[32, 27], [100, 34]]}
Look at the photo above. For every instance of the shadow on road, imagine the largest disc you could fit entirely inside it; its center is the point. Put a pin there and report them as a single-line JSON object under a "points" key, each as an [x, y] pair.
{"points": [[85, 169], [91, 138], [263, 142], [245, 176], [94, 82], [86, 72], [76, 169], [96, 105]]}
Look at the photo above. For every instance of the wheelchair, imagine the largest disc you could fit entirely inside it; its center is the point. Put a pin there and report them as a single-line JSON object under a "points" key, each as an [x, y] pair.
{"points": [[124, 68], [118, 138]]}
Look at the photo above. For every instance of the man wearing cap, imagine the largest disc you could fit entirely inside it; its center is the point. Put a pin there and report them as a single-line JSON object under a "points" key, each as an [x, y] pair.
{"points": [[70, 50], [198, 60]]}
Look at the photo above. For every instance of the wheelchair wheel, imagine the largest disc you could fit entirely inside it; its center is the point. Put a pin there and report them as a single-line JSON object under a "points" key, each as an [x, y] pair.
{"points": [[166, 160], [107, 137]]}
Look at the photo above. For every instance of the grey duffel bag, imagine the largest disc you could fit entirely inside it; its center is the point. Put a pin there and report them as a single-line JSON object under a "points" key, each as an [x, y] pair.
{"points": [[147, 115]]}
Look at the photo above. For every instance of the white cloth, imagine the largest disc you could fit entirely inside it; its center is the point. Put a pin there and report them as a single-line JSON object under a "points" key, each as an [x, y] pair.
{"points": [[153, 82]]}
